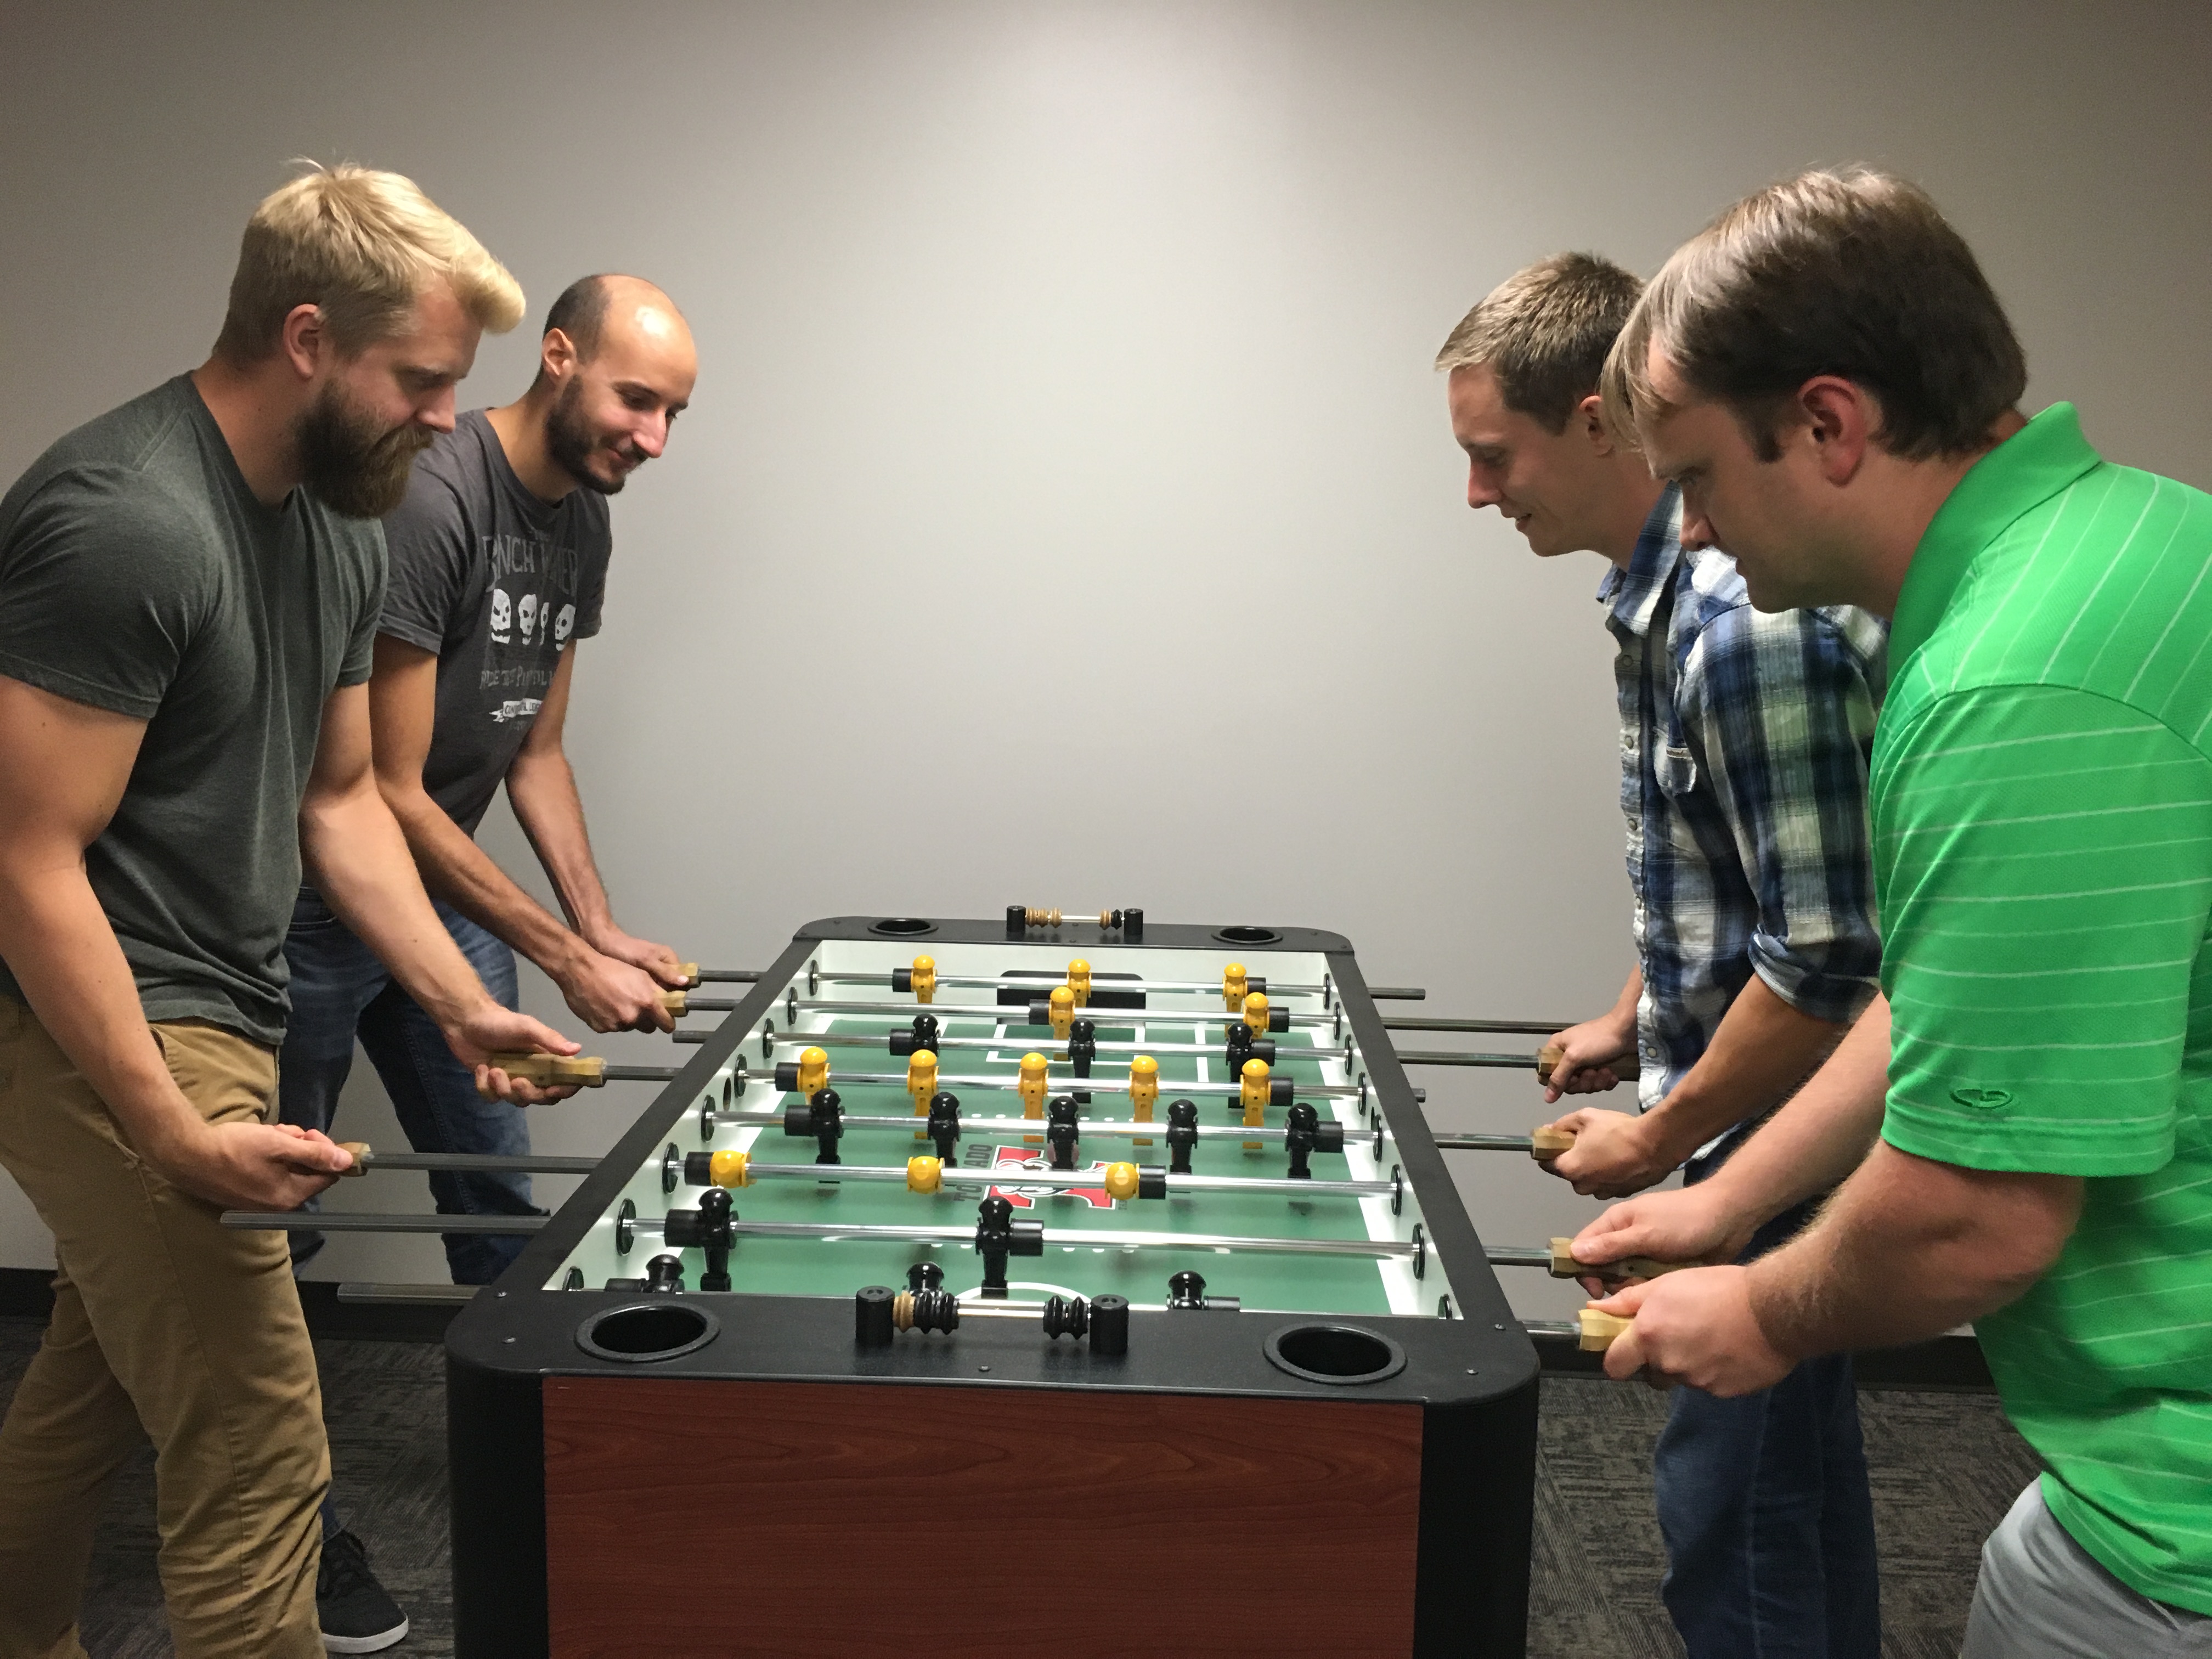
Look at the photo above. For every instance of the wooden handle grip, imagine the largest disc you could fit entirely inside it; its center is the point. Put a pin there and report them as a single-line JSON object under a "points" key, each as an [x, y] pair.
{"points": [[1563, 1265], [1550, 1143], [1600, 1328], [676, 1002], [1550, 1055], [587, 1071], [360, 1151]]}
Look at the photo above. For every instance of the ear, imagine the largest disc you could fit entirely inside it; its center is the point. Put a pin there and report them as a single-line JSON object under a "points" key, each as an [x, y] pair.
{"points": [[1840, 419], [556, 354], [302, 341], [1589, 418]]}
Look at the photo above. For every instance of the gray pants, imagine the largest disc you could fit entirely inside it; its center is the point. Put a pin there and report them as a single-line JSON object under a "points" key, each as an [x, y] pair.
{"points": [[2041, 1596]]}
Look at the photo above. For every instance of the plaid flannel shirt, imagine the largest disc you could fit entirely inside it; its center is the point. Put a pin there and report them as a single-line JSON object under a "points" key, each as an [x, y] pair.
{"points": [[1744, 747]]}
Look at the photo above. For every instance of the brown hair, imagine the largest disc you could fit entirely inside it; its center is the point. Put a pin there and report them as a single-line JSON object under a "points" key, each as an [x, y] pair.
{"points": [[1544, 331], [361, 246], [1855, 274]]}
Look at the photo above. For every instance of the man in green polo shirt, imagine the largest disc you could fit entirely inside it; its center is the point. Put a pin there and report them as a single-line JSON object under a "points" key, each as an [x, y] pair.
{"points": [[1826, 372]]}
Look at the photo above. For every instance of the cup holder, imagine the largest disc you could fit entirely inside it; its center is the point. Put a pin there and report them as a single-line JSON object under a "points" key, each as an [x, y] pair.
{"points": [[1247, 936], [641, 1333], [902, 927], [1339, 1354]]}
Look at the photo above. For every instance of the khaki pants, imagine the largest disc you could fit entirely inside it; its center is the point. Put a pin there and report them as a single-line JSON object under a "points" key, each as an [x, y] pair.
{"points": [[166, 1325]]}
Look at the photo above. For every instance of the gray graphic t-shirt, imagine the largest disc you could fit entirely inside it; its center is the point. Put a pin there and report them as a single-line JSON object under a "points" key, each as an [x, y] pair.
{"points": [[498, 584]]}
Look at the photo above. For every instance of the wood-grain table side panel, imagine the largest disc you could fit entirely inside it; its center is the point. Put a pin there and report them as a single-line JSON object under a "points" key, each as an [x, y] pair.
{"points": [[714, 1517]]}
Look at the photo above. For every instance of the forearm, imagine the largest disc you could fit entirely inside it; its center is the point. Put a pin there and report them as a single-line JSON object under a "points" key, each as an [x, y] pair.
{"points": [[1762, 1050], [454, 868], [63, 951], [1909, 1248], [359, 862], [542, 787], [1821, 1135]]}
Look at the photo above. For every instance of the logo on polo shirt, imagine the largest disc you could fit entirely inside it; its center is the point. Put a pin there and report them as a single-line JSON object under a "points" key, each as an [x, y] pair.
{"points": [[1988, 1100]]}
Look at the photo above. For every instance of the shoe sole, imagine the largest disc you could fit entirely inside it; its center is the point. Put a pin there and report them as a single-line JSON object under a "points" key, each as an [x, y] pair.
{"points": [[376, 1643]]}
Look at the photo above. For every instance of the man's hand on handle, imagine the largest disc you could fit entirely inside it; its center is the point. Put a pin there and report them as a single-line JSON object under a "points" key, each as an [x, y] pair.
{"points": [[1694, 1326], [1690, 1224], [249, 1166], [614, 993], [489, 1029], [1615, 1153], [1589, 1055]]}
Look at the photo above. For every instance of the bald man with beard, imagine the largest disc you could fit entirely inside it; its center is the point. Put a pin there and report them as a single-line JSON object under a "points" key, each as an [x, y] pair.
{"points": [[498, 561]]}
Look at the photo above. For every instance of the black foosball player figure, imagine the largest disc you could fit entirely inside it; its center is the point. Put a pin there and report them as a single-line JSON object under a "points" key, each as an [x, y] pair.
{"points": [[998, 1236], [923, 1036], [707, 1230], [1183, 1135], [1082, 1050], [823, 1120], [943, 1127], [1062, 1132]]}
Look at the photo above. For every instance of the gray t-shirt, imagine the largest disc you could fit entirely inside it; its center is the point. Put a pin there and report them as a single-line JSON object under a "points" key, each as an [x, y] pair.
{"points": [[497, 583], [138, 574]]}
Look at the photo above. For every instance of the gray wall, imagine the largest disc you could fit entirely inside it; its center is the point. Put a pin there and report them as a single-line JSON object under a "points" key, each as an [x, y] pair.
{"points": [[1074, 357]]}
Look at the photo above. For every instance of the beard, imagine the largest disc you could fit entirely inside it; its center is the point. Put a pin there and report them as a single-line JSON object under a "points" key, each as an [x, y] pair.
{"points": [[570, 442], [356, 465]]}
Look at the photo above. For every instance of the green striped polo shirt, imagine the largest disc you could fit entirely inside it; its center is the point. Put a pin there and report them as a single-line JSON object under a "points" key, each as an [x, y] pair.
{"points": [[2042, 805]]}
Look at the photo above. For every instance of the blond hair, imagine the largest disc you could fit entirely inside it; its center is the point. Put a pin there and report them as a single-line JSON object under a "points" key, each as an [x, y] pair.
{"points": [[1544, 332], [1855, 274], [362, 247]]}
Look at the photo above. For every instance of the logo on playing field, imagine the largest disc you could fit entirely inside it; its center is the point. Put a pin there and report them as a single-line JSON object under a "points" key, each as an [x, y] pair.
{"points": [[1016, 1158]]}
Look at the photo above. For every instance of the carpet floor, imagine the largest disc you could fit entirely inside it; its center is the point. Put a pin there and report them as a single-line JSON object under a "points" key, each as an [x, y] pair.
{"points": [[1946, 1467]]}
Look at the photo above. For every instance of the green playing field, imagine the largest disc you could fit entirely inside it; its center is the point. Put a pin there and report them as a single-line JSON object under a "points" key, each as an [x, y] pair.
{"points": [[818, 1267]]}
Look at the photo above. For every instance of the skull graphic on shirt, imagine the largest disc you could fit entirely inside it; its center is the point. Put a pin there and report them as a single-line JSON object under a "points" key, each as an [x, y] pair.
{"points": [[526, 613], [563, 624], [503, 615]]}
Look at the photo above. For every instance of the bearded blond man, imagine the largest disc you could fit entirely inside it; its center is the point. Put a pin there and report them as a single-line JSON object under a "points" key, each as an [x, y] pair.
{"points": [[188, 589]]}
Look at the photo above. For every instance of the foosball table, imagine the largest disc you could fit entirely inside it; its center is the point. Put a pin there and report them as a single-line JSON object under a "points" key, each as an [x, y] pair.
{"points": [[983, 1287]]}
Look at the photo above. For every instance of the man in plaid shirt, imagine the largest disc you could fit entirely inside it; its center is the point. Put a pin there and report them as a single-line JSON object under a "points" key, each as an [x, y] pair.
{"points": [[1745, 739]]}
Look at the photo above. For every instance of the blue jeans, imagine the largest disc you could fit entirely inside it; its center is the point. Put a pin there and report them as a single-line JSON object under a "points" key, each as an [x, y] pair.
{"points": [[341, 991], [1764, 1504]]}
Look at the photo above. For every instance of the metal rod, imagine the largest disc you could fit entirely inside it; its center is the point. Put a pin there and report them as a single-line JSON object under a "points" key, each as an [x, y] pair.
{"points": [[1053, 1051], [1489, 1027], [1072, 1180], [1484, 1143], [1272, 988], [1517, 1256], [309, 1221], [1105, 1129], [1097, 1085], [642, 1074], [484, 1163], [1014, 1013], [1380, 1249], [729, 975], [1398, 993], [1501, 1062], [1551, 1328], [408, 1295]]}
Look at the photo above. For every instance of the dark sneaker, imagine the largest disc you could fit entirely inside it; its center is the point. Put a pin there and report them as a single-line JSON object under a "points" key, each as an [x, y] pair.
{"points": [[357, 1616]]}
